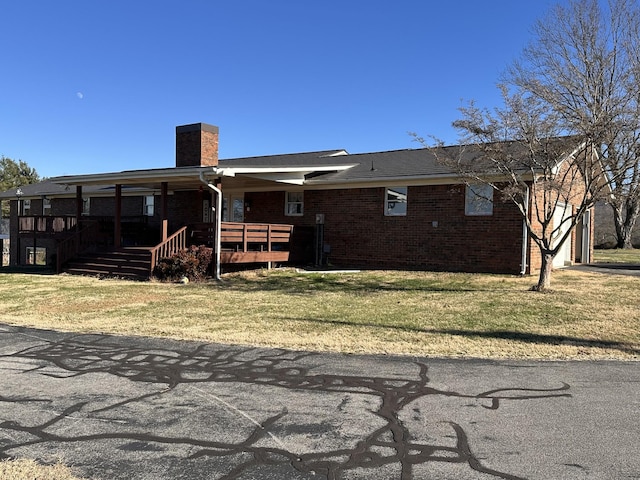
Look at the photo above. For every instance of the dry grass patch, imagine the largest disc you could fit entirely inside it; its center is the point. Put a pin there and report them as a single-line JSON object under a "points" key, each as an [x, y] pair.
{"points": [[586, 315], [26, 469]]}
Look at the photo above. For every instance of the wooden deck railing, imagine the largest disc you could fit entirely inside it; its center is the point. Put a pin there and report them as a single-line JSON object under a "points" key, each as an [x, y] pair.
{"points": [[47, 224], [247, 242], [44, 224], [254, 236], [82, 240], [172, 245], [243, 237]]}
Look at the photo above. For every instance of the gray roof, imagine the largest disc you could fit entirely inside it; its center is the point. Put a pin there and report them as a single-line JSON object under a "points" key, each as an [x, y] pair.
{"points": [[384, 165], [399, 165], [324, 157], [367, 166]]}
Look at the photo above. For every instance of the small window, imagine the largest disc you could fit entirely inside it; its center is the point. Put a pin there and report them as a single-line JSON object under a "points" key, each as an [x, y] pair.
{"points": [[396, 201], [46, 206], [294, 206], [478, 200], [26, 207], [148, 208], [37, 256], [86, 206]]}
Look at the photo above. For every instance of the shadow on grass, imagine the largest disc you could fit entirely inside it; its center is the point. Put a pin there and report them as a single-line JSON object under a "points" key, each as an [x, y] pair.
{"points": [[353, 283], [544, 339], [30, 269], [525, 337]]}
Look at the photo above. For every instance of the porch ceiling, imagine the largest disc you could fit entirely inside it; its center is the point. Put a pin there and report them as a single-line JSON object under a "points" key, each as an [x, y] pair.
{"points": [[188, 178]]}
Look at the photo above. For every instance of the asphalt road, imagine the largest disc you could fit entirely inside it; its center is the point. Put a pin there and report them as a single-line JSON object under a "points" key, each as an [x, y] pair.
{"points": [[140, 408]]}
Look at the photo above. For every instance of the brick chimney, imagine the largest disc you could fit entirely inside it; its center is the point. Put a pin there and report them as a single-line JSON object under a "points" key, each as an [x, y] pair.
{"points": [[197, 145]]}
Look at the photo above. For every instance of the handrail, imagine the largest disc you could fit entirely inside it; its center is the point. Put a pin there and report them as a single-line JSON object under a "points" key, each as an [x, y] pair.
{"points": [[80, 241], [173, 244]]}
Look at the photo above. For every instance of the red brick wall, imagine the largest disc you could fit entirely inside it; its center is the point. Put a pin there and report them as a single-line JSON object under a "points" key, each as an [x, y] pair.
{"points": [[185, 208], [575, 186], [360, 235], [196, 145]]}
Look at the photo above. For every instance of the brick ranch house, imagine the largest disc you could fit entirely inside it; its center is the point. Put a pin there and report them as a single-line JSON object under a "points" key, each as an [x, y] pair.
{"points": [[396, 209]]}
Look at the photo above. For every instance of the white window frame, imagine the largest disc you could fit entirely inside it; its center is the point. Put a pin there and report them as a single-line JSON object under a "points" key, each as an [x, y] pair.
{"points": [[46, 206], [478, 200], [393, 196], [26, 207], [149, 205], [86, 205], [37, 256], [295, 207]]}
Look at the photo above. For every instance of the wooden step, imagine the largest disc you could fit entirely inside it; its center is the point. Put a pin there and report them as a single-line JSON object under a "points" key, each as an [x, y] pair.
{"points": [[133, 264]]}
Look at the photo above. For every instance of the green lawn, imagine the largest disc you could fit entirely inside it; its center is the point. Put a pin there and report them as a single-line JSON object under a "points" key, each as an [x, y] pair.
{"points": [[586, 315], [617, 256]]}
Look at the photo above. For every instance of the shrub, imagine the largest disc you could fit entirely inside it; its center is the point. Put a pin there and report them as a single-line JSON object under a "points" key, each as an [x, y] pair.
{"points": [[192, 263]]}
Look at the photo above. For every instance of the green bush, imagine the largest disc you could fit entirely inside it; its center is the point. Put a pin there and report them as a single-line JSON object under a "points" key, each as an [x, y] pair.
{"points": [[192, 263]]}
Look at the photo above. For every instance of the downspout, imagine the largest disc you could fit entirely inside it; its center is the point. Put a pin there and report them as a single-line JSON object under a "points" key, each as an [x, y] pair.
{"points": [[525, 233], [216, 239]]}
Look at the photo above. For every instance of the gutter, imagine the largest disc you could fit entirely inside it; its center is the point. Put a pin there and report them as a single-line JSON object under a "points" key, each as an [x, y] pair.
{"points": [[216, 233], [525, 233]]}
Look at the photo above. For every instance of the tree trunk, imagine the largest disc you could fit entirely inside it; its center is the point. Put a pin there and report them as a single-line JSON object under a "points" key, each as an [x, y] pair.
{"points": [[544, 280], [624, 219]]}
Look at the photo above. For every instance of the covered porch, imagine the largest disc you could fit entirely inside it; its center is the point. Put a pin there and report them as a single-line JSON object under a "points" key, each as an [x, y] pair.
{"points": [[84, 246], [186, 209]]}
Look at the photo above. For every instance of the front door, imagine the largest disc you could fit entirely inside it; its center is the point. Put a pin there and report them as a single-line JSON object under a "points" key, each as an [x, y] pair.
{"points": [[233, 207]]}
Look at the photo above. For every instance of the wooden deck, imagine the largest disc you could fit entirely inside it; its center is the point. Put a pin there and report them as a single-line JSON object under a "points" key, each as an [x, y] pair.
{"points": [[247, 242], [240, 242]]}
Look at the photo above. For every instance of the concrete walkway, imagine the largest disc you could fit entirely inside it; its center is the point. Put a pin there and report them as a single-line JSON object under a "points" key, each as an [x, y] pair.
{"points": [[138, 408]]}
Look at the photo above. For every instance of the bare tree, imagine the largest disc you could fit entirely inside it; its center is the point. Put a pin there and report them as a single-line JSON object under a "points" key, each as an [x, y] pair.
{"points": [[519, 150], [584, 62]]}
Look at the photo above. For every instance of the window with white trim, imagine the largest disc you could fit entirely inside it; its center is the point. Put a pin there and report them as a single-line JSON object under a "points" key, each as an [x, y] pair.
{"points": [[46, 206], [478, 200], [395, 201], [86, 206], [148, 207], [294, 204], [37, 256], [26, 207]]}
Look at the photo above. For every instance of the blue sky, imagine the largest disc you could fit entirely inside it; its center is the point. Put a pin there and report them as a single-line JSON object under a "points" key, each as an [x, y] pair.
{"points": [[99, 86]]}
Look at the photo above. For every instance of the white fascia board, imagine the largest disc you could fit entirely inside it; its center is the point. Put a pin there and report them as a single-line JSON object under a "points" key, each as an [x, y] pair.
{"points": [[135, 192], [133, 176], [304, 170], [287, 175], [280, 178], [339, 153], [571, 155], [414, 180], [292, 175], [115, 178]]}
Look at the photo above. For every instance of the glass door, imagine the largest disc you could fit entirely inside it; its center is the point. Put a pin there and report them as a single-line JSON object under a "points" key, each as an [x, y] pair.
{"points": [[233, 207]]}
